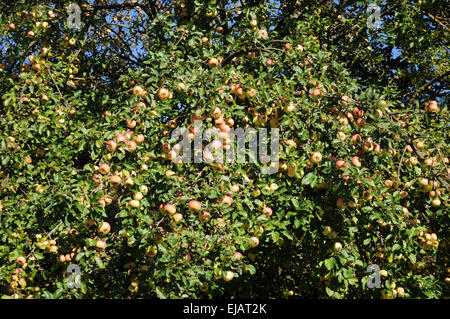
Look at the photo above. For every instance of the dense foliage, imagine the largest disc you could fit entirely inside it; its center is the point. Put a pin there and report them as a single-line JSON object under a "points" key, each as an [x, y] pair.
{"points": [[86, 175]]}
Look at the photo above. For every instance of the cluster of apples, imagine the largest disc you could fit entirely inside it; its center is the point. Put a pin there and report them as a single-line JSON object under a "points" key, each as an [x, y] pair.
{"points": [[427, 240]]}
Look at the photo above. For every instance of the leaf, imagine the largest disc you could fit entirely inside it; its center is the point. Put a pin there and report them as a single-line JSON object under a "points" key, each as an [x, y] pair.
{"points": [[329, 263], [99, 262], [160, 293], [308, 179], [329, 292]]}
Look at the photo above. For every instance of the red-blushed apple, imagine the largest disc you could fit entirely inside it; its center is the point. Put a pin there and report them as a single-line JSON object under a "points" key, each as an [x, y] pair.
{"points": [[341, 164], [100, 245], [62, 258], [356, 138], [267, 211], [213, 62], [228, 200], [340, 203], [104, 169], [170, 209], [237, 256], [177, 217], [21, 260], [111, 146], [400, 292], [138, 91], [262, 34], [104, 228], [356, 161], [163, 94], [134, 203], [204, 216], [316, 157], [221, 222], [317, 93], [194, 206], [139, 138], [254, 241], [131, 123], [131, 145], [115, 180], [120, 137]]}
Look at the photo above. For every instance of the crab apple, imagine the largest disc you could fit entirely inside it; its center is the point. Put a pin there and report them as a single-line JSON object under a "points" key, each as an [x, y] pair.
{"points": [[367, 146], [316, 157], [234, 188], [104, 228], [254, 241], [413, 160], [115, 180], [400, 292], [383, 273], [129, 181], [341, 163], [194, 206], [104, 169], [262, 34], [228, 275], [11, 26], [429, 162], [237, 256], [216, 112], [170, 209], [151, 251], [317, 93], [340, 203], [213, 62], [356, 161], [356, 138], [253, 23], [139, 139], [228, 200], [177, 217], [21, 260], [432, 106], [138, 91], [267, 211], [423, 182], [62, 258], [163, 94], [204, 216], [436, 202], [337, 247], [100, 245]]}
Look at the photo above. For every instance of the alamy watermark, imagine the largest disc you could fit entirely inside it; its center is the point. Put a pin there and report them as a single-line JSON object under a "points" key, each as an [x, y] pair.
{"points": [[74, 19], [374, 280], [73, 280], [374, 20], [227, 146]]}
